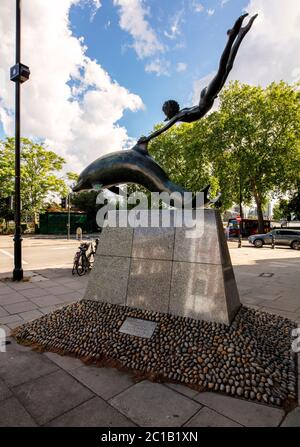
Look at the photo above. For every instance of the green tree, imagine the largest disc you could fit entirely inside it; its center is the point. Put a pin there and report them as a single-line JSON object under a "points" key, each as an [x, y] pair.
{"points": [[247, 149], [181, 151], [288, 208], [294, 205], [254, 141], [39, 173], [281, 210], [6, 213]]}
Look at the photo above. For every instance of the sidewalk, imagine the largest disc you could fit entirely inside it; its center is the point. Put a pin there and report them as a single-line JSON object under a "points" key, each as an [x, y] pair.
{"points": [[51, 390]]}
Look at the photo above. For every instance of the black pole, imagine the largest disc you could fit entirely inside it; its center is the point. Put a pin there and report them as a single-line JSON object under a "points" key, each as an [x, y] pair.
{"points": [[18, 271], [241, 211]]}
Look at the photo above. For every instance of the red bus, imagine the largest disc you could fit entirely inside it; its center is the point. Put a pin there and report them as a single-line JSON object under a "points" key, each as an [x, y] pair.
{"points": [[248, 227]]}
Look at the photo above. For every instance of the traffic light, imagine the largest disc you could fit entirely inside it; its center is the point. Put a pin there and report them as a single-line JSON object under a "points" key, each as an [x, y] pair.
{"points": [[63, 202]]}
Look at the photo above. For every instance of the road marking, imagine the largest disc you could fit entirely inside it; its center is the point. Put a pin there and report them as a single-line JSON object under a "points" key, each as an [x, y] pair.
{"points": [[10, 255]]}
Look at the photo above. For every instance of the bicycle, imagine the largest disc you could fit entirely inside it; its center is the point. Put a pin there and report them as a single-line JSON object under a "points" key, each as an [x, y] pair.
{"points": [[84, 262]]}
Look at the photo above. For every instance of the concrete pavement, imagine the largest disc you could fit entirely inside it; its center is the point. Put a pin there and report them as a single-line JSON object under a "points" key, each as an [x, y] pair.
{"points": [[51, 390], [38, 252]]}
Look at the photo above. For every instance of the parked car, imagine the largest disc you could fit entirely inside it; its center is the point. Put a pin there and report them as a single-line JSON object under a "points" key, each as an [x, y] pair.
{"points": [[289, 238]]}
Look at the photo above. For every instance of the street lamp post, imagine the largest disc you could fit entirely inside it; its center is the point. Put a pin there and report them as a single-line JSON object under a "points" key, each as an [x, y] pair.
{"points": [[241, 211], [19, 73], [69, 215]]}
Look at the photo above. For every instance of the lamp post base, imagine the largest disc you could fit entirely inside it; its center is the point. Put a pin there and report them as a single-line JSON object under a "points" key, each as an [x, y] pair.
{"points": [[18, 270], [18, 274]]}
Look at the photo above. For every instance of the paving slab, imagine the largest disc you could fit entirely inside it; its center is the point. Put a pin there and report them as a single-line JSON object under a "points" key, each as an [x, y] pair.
{"points": [[4, 391], [93, 413], [3, 312], [13, 414], [65, 362], [242, 411], [45, 301], [285, 304], [31, 315], [34, 292], [70, 297], [210, 418], [292, 419], [9, 319], [59, 289], [20, 307], [77, 285], [67, 275], [154, 405], [20, 286], [49, 309], [11, 298], [105, 382], [15, 324], [4, 289], [18, 367], [182, 389], [52, 395], [48, 284]]}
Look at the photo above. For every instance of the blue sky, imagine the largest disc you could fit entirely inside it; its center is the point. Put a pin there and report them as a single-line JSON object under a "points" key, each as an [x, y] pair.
{"points": [[197, 42], [101, 69]]}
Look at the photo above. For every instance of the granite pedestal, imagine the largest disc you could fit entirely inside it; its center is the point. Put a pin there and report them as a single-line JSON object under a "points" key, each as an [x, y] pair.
{"points": [[167, 270]]}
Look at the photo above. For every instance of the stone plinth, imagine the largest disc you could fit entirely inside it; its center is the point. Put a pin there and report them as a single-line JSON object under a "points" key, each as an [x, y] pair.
{"points": [[168, 270]]}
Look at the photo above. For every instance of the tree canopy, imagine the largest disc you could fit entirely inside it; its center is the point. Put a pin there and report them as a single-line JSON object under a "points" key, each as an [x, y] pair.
{"points": [[39, 173], [248, 148]]}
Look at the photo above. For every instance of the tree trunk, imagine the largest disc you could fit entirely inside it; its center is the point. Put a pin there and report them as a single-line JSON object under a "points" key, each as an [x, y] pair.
{"points": [[241, 198], [258, 201], [241, 210]]}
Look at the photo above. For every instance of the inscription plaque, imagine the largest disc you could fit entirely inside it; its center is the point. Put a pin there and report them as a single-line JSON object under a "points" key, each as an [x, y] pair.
{"points": [[138, 327]]}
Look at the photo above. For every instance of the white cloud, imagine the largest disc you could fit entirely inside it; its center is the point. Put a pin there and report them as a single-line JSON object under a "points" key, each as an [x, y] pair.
{"points": [[223, 3], [175, 25], [270, 51], [181, 66], [158, 66], [179, 46], [210, 12], [197, 6], [133, 15], [95, 5], [79, 122]]}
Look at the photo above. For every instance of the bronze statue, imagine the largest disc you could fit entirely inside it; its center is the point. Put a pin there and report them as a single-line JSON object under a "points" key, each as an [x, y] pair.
{"points": [[136, 165], [209, 93]]}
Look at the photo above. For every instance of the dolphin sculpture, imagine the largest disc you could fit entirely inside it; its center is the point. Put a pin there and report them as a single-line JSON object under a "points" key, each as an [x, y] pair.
{"points": [[136, 165], [132, 166]]}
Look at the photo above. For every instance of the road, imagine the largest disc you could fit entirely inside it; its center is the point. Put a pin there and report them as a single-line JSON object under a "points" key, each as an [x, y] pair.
{"points": [[41, 252], [38, 253]]}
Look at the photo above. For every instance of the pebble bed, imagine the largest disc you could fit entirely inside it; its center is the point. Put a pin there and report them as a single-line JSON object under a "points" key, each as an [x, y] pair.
{"points": [[251, 359]]}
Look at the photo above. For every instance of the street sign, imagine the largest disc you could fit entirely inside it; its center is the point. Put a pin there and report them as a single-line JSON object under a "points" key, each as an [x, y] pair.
{"points": [[238, 219]]}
